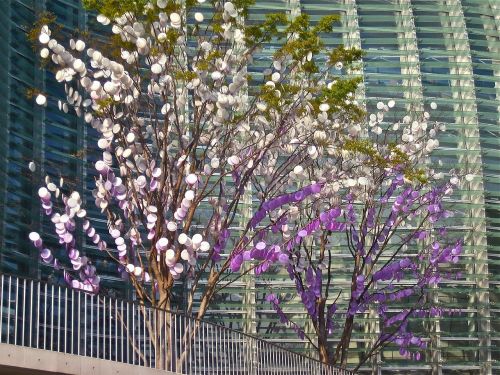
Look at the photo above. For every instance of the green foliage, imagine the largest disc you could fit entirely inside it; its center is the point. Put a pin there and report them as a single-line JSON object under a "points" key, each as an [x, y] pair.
{"points": [[170, 41], [204, 63], [410, 172], [344, 55], [283, 94], [185, 76], [305, 40], [104, 105], [115, 8], [243, 6], [336, 95], [365, 147], [115, 44], [269, 95], [266, 31], [31, 93], [416, 175], [44, 18], [299, 24], [397, 158], [325, 24], [302, 40]]}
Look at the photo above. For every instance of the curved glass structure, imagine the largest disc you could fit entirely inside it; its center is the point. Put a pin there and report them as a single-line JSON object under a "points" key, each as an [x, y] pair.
{"points": [[447, 52], [417, 52]]}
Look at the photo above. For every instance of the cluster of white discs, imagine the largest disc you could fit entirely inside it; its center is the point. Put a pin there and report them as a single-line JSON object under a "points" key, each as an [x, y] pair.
{"points": [[187, 201], [45, 253], [191, 246], [218, 92], [65, 225]]}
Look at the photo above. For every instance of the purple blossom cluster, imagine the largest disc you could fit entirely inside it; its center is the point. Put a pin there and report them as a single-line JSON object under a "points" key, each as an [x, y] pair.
{"points": [[410, 345], [45, 253], [406, 340], [393, 270], [434, 201], [395, 182], [273, 299], [376, 283], [330, 322], [65, 226], [311, 291], [445, 254], [268, 254], [265, 254], [382, 297], [326, 220], [282, 200], [220, 244], [111, 187]]}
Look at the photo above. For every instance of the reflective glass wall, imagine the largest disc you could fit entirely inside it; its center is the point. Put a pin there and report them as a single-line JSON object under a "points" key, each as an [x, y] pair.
{"points": [[417, 52], [21, 138], [55, 140]]}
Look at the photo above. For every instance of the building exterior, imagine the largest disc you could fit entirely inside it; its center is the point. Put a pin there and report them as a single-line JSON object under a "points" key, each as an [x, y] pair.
{"points": [[54, 140], [417, 52], [44, 136]]}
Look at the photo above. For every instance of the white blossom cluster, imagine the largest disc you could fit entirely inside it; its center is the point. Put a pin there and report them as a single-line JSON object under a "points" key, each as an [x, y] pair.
{"points": [[182, 138]]}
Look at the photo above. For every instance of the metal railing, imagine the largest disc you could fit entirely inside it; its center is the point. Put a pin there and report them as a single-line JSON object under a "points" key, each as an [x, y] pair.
{"points": [[51, 317]]}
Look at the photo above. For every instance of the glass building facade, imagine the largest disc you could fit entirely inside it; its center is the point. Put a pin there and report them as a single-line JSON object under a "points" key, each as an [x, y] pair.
{"points": [[29, 133], [416, 52], [55, 140]]}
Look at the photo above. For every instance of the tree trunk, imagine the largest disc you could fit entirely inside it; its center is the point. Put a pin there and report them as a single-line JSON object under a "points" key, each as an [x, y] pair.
{"points": [[324, 355], [190, 334], [321, 331], [343, 346], [345, 339], [207, 295], [164, 340]]}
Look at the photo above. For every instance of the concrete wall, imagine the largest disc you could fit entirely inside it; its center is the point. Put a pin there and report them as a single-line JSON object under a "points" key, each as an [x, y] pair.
{"points": [[19, 360]]}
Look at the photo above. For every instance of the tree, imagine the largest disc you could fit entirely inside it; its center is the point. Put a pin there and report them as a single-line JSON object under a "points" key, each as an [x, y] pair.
{"points": [[186, 134], [390, 214], [176, 124]]}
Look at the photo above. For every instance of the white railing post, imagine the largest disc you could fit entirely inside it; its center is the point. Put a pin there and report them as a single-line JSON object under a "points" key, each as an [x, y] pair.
{"points": [[190, 346]]}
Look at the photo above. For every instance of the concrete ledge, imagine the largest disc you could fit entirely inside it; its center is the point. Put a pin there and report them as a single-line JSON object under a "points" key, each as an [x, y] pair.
{"points": [[20, 360]]}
